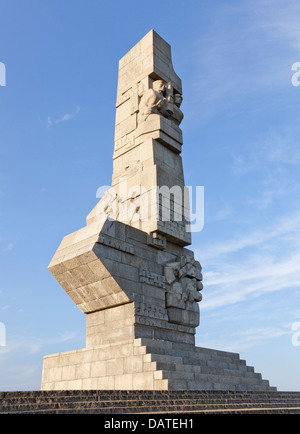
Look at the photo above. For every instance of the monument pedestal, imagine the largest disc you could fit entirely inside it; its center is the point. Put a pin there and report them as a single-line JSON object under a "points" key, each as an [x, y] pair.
{"points": [[148, 364], [132, 341]]}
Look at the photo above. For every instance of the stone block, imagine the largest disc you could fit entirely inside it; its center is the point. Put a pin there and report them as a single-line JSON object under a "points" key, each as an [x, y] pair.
{"points": [[56, 374], [98, 369], [161, 384], [158, 375], [143, 381], [50, 361], [82, 370], [90, 383], [151, 366], [72, 385], [68, 372], [123, 382], [106, 383], [133, 364], [115, 366]]}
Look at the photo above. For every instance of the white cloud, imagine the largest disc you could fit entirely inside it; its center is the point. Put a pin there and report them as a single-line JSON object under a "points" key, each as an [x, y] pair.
{"points": [[34, 344], [237, 63], [278, 149], [223, 213], [281, 19], [284, 150], [242, 164], [66, 117], [7, 248], [236, 285], [282, 227], [30, 350], [272, 163], [245, 339], [66, 336], [247, 267]]}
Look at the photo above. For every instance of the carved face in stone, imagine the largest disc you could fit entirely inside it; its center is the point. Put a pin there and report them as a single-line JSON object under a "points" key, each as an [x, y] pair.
{"points": [[159, 86], [177, 99]]}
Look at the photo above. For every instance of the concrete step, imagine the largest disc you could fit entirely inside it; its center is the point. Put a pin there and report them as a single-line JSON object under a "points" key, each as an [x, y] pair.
{"points": [[122, 402], [94, 408]]}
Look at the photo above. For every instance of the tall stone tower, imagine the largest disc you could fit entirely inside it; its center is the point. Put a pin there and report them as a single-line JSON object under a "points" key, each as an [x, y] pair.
{"points": [[147, 180], [129, 269]]}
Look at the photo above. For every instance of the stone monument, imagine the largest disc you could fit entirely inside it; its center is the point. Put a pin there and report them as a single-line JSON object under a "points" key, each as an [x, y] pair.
{"points": [[129, 269]]}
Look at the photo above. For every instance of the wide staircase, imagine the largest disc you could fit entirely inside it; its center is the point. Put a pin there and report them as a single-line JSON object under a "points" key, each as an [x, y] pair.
{"points": [[149, 402]]}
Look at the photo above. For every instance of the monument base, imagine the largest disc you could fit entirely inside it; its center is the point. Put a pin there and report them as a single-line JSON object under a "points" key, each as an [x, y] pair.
{"points": [[144, 363]]}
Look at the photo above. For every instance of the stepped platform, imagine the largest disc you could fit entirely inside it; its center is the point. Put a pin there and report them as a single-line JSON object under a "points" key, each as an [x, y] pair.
{"points": [[149, 402], [148, 364]]}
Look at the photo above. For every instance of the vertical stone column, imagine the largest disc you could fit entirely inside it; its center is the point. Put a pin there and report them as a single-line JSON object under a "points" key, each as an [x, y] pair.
{"points": [[148, 189]]}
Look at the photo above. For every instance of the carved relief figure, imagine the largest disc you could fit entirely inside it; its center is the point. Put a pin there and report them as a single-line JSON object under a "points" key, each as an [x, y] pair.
{"points": [[177, 113], [183, 283], [160, 100], [154, 99]]}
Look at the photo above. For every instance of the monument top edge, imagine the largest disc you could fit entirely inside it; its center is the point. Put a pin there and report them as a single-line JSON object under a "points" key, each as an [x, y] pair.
{"points": [[150, 38], [150, 57]]}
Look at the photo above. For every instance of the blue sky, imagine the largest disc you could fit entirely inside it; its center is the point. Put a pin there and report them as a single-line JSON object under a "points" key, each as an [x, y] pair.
{"points": [[241, 142]]}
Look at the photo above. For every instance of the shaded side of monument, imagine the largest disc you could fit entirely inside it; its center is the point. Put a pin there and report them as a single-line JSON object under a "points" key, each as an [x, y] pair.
{"points": [[129, 269]]}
